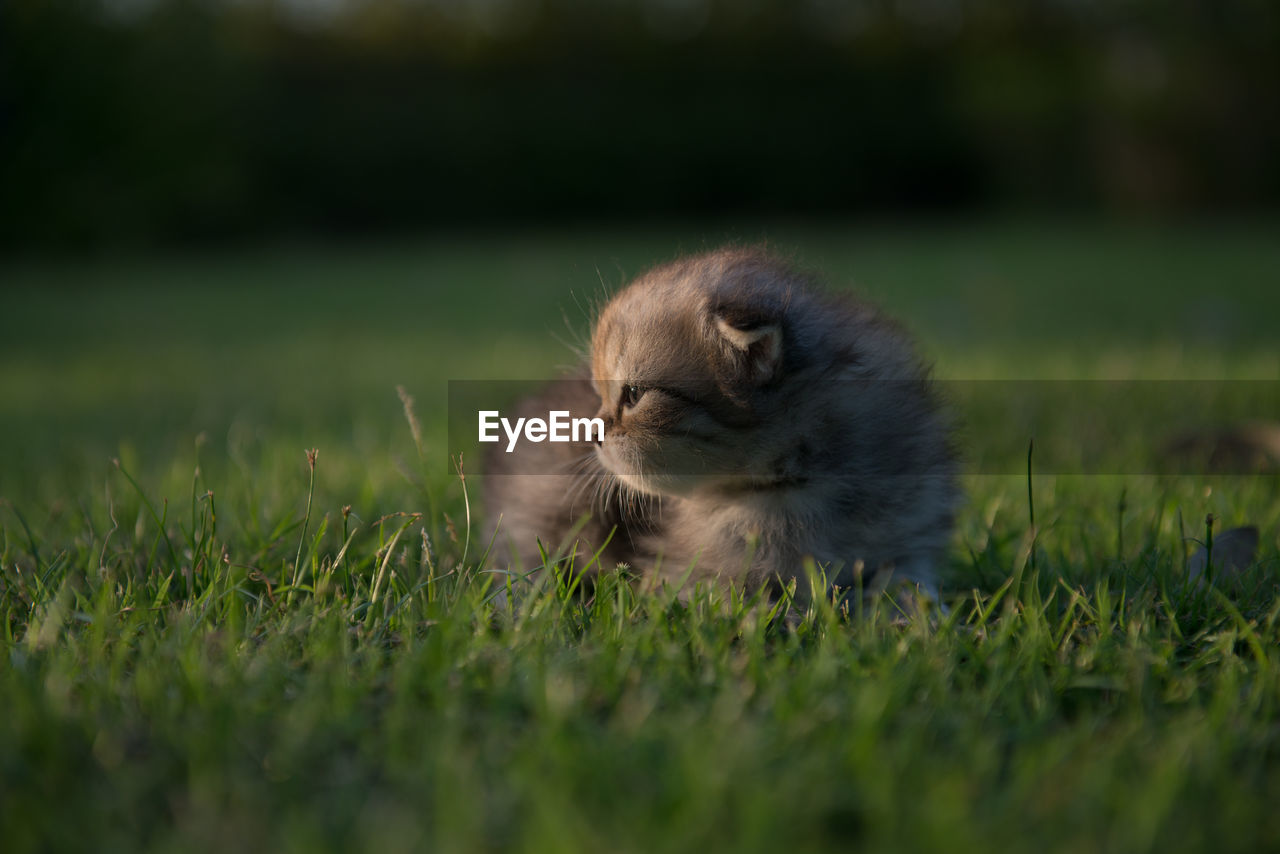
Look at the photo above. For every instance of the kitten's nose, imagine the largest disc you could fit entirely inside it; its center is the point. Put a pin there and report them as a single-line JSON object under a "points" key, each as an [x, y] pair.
{"points": [[606, 418]]}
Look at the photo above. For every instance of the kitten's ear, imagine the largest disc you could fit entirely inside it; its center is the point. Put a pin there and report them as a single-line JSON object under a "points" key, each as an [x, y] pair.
{"points": [[759, 342]]}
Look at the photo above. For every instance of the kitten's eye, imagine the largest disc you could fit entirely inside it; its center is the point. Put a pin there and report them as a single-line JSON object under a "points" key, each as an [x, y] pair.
{"points": [[631, 395]]}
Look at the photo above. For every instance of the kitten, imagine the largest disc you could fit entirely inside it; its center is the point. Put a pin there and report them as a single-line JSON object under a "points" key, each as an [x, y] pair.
{"points": [[752, 423]]}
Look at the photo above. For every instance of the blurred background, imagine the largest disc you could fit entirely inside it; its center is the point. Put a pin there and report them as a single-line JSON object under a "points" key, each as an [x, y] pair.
{"points": [[167, 122], [250, 220]]}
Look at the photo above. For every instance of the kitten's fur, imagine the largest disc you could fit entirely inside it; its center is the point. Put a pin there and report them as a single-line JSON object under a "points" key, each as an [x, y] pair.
{"points": [[752, 423]]}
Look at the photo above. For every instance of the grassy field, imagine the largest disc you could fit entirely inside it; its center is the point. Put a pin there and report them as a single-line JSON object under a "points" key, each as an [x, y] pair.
{"points": [[212, 644]]}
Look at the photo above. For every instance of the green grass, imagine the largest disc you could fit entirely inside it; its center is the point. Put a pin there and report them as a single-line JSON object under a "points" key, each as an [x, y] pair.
{"points": [[193, 661]]}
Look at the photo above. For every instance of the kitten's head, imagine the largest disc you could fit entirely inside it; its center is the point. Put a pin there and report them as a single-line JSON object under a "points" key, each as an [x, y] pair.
{"points": [[686, 360]]}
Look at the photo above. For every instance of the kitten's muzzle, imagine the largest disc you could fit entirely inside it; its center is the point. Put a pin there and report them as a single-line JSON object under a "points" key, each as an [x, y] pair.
{"points": [[610, 422]]}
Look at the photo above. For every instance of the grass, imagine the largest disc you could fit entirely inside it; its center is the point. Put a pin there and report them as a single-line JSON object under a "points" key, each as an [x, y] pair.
{"points": [[212, 640]]}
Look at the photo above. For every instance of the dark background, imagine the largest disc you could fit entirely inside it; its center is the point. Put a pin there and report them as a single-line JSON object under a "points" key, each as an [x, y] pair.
{"points": [[143, 123]]}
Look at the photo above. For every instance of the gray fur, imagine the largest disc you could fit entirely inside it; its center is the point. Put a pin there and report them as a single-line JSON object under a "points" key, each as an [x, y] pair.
{"points": [[776, 424]]}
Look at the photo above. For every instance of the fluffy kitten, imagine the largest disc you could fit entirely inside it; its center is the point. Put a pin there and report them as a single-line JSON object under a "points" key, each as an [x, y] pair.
{"points": [[751, 423]]}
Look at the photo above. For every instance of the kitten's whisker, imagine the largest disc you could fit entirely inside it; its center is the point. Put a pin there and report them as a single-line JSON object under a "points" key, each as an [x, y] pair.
{"points": [[603, 492], [576, 469]]}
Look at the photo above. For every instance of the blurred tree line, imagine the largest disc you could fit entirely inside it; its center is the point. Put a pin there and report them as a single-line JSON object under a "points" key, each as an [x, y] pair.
{"points": [[159, 121]]}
